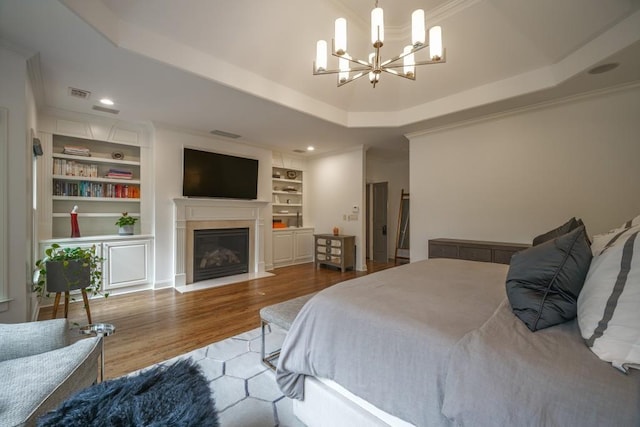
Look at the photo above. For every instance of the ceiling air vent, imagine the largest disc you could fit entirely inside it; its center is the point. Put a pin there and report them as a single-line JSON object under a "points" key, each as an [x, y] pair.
{"points": [[225, 134], [105, 109], [79, 93], [299, 151]]}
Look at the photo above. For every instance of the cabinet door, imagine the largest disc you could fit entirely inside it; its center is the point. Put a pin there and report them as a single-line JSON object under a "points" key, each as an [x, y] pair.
{"points": [[437, 250], [282, 248], [475, 253], [127, 263], [304, 246]]}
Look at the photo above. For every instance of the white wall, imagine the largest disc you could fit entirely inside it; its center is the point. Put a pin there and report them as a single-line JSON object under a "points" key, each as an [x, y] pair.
{"points": [[16, 96], [336, 184], [167, 152], [513, 177], [394, 171]]}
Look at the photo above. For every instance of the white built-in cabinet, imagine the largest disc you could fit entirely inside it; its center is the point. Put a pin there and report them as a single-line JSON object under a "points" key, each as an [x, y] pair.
{"points": [[127, 259], [110, 180], [292, 246], [127, 262]]}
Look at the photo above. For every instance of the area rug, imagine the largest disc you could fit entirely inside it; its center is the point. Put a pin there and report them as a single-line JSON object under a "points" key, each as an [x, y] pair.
{"points": [[166, 395], [245, 391]]}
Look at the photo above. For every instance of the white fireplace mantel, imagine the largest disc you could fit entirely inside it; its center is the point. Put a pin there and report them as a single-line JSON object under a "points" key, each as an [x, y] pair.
{"points": [[222, 211]]}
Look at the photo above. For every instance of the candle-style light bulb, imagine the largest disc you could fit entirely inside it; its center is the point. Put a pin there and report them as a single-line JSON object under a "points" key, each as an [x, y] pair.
{"points": [[409, 62], [343, 64], [417, 27], [321, 55], [341, 36], [377, 27], [435, 43]]}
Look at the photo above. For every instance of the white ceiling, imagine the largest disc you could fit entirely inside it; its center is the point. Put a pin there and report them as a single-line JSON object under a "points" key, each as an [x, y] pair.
{"points": [[245, 67]]}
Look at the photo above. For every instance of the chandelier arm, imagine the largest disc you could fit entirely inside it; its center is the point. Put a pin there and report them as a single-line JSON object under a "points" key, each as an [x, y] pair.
{"points": [[415, 64], [351, 79], [351, 59], [442, 59], [402, 55], [425, 62], [336, 71], [395, 73]]}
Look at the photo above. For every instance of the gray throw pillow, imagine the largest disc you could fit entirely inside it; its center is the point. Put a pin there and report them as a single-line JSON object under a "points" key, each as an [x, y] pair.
{"points": [[544, 281], [565, 228]]}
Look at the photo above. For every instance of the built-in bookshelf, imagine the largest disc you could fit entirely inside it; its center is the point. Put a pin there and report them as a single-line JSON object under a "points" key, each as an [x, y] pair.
{"points": [[102, 178], [292, 238], [287, 197]]}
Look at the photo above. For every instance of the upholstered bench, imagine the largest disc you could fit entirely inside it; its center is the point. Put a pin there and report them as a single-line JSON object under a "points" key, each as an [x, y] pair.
{"points": [[281, 315]]}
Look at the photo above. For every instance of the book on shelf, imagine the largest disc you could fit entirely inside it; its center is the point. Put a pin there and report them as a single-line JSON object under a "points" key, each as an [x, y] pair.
{"points": [[76, 150], [73, 168], [119, 174], [95, 189]]}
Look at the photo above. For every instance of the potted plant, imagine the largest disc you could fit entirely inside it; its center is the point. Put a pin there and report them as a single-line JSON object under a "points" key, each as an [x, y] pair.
{"points": [[125, 224], [68, 269]]}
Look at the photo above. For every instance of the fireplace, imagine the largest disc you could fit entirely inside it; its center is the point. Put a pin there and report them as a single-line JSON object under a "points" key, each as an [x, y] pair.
{"points": [[220, 252], [207, 214]]}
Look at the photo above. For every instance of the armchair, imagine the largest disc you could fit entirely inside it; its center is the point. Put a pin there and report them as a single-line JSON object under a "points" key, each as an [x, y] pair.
{"points": [[39, 368]]}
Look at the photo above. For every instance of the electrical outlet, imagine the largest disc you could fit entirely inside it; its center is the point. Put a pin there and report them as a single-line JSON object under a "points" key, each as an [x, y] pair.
{"points": [[353, 217], [344, 217]]}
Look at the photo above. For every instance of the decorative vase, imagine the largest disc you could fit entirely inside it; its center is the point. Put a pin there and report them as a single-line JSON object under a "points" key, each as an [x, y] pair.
{"points": [[126, 230], [61, 278], [336, 231], [75, 228]]}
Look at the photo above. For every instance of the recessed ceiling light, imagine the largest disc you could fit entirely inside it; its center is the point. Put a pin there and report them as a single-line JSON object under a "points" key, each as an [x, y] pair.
{"points": [[310, 148], [603, 68], [106, 101]]}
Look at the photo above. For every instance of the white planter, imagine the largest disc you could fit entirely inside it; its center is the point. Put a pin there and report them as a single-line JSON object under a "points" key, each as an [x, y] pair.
{"points": [[125, 230]]}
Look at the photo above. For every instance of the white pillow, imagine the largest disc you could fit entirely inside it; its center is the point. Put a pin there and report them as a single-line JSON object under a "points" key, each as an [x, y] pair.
{"points": [[613, 237], [601, 241], [631, 223], [609, 303]]}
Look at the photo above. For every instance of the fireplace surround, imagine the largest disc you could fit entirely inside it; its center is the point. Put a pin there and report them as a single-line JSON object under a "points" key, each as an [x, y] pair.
{"points": [[194, 214]]}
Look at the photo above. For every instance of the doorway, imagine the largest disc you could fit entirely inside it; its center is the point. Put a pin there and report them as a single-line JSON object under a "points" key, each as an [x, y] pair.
{"points": [[379, 196]]}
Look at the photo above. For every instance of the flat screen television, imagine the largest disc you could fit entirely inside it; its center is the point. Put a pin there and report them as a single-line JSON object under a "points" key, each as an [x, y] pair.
{"points": [[208, 174]]}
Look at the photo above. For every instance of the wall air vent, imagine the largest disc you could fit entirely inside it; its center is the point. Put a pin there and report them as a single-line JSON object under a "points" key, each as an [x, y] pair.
{"points": [[105, 109], [79, 93], [299, 151], [225, 134]]}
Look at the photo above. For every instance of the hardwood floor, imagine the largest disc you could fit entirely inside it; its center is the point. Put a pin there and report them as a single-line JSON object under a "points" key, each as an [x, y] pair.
{"points": [[152, 326]]}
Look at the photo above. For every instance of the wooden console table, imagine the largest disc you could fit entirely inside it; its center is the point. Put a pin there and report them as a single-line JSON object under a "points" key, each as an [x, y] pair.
{"points": [[474, 250]]}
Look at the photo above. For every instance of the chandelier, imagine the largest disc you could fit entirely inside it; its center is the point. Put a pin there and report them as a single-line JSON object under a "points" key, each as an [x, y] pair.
{"points": [[350, 68]]}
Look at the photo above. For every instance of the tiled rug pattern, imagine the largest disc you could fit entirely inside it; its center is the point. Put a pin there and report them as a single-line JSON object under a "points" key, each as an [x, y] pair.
{"points": [[244, 390]]}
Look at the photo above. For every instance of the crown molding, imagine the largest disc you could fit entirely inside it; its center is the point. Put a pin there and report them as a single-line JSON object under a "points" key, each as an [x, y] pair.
{"points": [[529, 108]]}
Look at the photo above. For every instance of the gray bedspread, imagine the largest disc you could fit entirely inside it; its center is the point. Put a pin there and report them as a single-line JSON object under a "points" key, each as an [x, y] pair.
{"points": [[504, 375], [387, 337]]}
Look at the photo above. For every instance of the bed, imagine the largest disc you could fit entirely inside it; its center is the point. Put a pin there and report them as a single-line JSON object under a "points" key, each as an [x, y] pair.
{"points": [[435, 343]]}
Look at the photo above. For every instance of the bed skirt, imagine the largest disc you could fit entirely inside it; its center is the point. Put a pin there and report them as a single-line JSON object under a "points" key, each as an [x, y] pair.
{"points": [[339, 407]]}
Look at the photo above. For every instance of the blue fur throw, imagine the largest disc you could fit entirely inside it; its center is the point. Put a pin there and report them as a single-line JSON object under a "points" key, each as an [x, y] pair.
{"points": [[175, 395]]}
